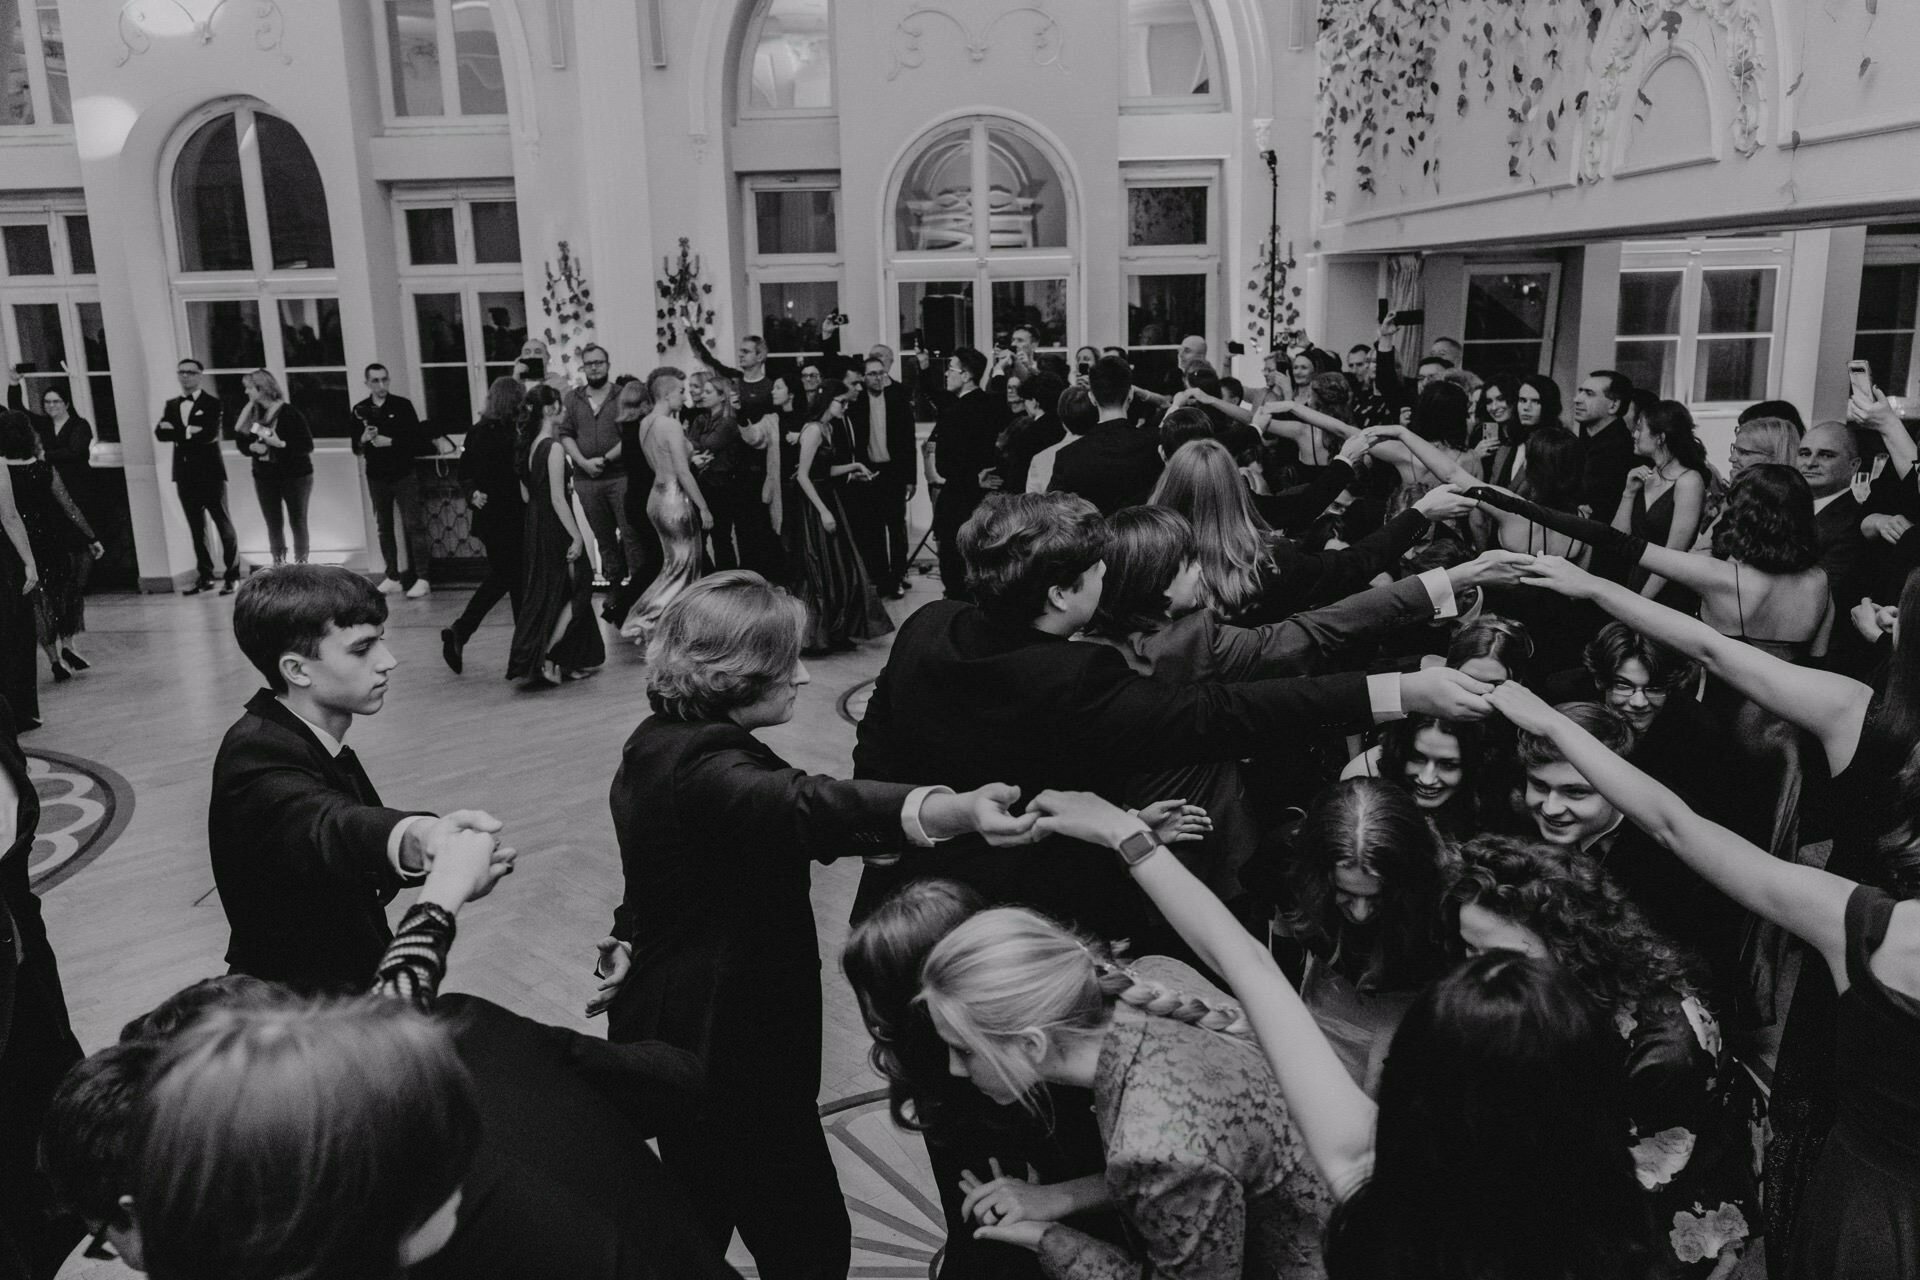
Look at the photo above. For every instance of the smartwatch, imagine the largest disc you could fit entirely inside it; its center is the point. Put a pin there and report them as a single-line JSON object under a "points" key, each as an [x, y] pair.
{"points": [[1138, 847]]}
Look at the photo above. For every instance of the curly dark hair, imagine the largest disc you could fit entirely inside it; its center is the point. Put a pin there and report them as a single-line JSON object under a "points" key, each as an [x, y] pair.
{"points": [[1461, 813], [1601, 939], [1768, 522]]}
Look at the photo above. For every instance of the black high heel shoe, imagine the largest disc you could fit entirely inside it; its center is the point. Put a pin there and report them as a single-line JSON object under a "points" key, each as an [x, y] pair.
{"points": [[60, 674], [74, 660]]}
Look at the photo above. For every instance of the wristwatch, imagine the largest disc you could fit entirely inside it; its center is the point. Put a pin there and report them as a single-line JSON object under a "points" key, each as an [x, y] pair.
{"points": [[1138, 847]]}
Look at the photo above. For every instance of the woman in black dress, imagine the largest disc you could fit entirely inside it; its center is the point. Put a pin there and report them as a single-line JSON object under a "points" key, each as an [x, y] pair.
{"points": [[275, 437], [19, 579], [822, 564], [555, 634], [58, 533], [1665, 501], [490, 475]]}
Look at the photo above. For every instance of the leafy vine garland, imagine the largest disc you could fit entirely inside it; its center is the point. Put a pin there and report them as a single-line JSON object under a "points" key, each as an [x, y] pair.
{"points": [[568, 304], [683, 299]]}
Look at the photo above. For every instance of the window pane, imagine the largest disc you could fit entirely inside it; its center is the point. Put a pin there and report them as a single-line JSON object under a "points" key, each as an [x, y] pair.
{"points": [[1026, 203], [1161, 310], [1888, 295], [210, 212], [476, 52], [794, 221], [1039, 305], [936, 315], [430, 239], [413, 52], [1166, 215], [1731, 369], [1507, 307], [226, 334], [53, 53], [503, 327], [325, 400], [792, 57], [93, 336], [790, 314], [443, 334], [1739, 301], [446, 398], [29, 249], [310, 332], [1166, 50], [1649, 303], [42, 345], [1649, 364], [496, 231], [106, 416], [16, 95], [935, 211], [1890, 355], [80, 243], [1491, 359], [296, 200]]}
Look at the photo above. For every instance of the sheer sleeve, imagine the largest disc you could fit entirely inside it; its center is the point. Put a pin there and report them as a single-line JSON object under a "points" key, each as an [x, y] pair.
{"points": [[416, 960]]}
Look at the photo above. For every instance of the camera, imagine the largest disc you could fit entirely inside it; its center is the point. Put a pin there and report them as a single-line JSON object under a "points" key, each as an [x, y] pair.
{"points": [[839, 318]]}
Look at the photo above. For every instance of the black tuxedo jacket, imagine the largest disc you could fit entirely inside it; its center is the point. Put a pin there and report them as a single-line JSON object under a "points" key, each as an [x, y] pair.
{"points": [[1114, 465], [716, 833], [563, 1183], [1843, 548], [964, 440], [902, 467], [299, 845], [965, 700], [1606, 458], [194, 427]]}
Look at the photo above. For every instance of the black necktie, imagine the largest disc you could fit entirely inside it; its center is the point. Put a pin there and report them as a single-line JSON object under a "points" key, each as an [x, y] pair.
{"points": [[357, 777]]}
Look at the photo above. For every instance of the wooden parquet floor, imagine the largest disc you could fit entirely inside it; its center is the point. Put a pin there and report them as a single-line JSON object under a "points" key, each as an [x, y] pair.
{"points": [[142, 920]]}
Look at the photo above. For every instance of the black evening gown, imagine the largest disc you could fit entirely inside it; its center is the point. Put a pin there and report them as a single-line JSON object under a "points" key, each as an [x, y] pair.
{"points": [[552, 587], [824, 568]]}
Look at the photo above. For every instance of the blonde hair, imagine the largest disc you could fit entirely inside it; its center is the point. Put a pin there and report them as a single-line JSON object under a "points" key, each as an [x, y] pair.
{"points": [[1009, 971], [1203, 483], [267, 384], [1776, 435], [723, 643]]}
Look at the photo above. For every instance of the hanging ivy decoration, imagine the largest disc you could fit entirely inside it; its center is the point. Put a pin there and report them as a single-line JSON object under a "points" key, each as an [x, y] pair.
{"points": [[567, 303]]}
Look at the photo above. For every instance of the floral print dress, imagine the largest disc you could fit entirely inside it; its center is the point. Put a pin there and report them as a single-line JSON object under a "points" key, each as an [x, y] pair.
{"points": [[1697, 1132]]}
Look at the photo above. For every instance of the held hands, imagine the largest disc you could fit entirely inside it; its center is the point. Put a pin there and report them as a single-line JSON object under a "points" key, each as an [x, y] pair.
{"points": [[1524, 708], [615, 962], [465, 869], [1001, 1204], [430, 839], [1872, 620], [1445, 694], [1081, 815], [1354, 449], [1560, 575], [593, 466], [1496, 568], [1445, 503], [1176, 821]]}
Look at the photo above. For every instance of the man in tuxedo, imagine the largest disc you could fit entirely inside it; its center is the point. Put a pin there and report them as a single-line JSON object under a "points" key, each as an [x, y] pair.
{"points": [[963, 454], [304, 854], [391, 440], [883, 429], [1606, 442], [1829, 458], [995, 691], [36, 1040], [193, 422], [1114, 465]]}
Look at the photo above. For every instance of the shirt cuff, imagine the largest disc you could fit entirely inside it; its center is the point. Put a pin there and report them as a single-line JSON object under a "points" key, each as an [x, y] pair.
{"points": [[399, 834], [1440, 590], [1383, 695], [910, 815]]}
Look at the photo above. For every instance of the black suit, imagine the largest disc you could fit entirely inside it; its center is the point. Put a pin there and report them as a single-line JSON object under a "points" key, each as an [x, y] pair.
{"points": [[1842, 549], [36, 1043], [1114, 465], [965, 700], [194, 427], [1606, 456], [716, 832], [877, 509], [963, 447], [299, 844]]}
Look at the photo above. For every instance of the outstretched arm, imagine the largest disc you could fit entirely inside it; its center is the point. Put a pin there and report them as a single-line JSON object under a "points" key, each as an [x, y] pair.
{"points": [[707, 358], [1809, 902], [1398, 443]]}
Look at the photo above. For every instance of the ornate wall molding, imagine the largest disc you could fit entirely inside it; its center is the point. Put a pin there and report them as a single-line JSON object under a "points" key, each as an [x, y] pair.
{"points": [[140, 18], [1049, 38]]}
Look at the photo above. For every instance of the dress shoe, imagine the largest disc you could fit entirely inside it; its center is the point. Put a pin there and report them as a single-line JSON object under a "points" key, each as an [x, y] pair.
{"points": [[389, 587], [419, 588], [74, 660], [60, 674], [452, 648], [226, 588], [198, 587]]}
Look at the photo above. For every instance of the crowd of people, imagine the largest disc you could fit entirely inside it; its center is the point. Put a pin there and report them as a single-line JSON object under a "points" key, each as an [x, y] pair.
{"points": [[1353, 828]]}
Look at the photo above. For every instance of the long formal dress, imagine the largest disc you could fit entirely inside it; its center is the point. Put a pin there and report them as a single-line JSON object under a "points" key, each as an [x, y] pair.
{"points": [[553, 587], [1654, 522], [824, 567], [676, 522], [59, 535]]}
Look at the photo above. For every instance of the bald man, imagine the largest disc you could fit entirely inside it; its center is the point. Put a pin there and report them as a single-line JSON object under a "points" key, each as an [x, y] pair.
{"points": [[1829, 457]]}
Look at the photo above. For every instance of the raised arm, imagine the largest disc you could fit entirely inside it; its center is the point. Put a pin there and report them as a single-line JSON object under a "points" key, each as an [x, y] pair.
{"points": [[1831, 707], [698, 342], [1397, 444], [1879, 416], [1808, 902]]}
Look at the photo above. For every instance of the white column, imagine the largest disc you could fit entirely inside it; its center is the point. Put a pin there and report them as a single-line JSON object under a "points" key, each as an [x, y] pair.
{"points": [[615, 209]]}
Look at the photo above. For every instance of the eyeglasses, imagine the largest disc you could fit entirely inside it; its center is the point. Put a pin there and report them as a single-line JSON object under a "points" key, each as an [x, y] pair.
{"points": [[1625, 689]]}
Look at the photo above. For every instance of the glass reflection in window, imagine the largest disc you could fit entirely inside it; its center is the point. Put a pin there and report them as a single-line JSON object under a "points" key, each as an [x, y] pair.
{"points": [[792, 65]]}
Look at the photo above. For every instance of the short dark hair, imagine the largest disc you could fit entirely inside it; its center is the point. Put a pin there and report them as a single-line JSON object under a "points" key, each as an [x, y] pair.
{"points": [[1782, 409], [1110, 382], [1643, 401], [1077, 411], [1116, 351], [1616, 644], [1204, 377], [1044, 389], [1439, 362], [291, 607], [1537, 751], [1440, 414], [1188, 422], [1361, 346], [1231, 388], [972, 361], [1146, 549], [368, 371], [189, 360], [1020, 546], [87, 1137], [1619, 385]]}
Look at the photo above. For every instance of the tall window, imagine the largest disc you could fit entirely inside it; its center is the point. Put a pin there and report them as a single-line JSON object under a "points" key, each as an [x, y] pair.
{"points": [[1886, 323], [1167, 56], [466, 305], [1697, 318], [793, 262], [51, 321], [982, 213], [1510, 311], [787, 58], [33, 65], [253, 269], [1170, 263], [440, 58]]}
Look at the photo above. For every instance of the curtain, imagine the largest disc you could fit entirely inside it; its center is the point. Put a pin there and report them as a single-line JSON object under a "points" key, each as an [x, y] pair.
{"points": [[1406, 293]]}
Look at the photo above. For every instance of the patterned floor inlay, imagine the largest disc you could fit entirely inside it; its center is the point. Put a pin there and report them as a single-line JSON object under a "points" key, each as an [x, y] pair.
{"points": [[83, 807]]}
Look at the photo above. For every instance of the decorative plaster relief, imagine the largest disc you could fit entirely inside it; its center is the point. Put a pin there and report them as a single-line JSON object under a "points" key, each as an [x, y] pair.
{"points": [[1049, 38], [142, 20]]}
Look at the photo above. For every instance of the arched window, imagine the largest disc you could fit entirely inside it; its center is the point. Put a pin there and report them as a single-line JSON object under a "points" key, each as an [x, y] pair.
{"points": [[1168, 56], [787, 58], [252, 259], [983, 210]]}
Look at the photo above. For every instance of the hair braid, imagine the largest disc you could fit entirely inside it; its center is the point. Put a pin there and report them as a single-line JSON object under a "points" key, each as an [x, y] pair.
{"points": [[1119, 983]]}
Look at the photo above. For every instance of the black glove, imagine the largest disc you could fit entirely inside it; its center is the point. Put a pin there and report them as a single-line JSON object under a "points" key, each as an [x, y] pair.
{"points": [[1601, 537]]}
